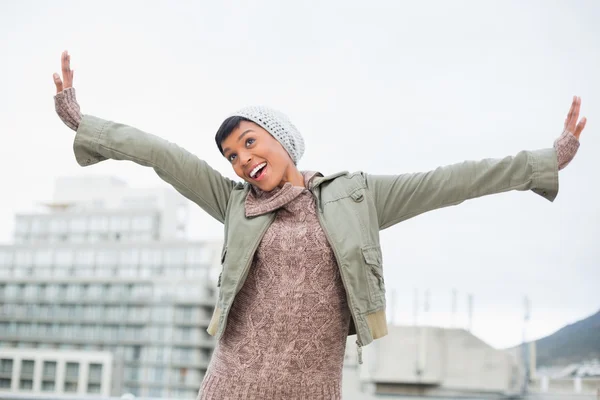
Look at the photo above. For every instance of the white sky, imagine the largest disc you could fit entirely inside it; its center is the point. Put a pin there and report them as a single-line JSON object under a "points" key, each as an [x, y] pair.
{"points": [[378, 86]]}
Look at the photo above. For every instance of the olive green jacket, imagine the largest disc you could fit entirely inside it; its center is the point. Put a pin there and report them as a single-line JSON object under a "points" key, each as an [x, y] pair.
{"points": [[352, 208]]}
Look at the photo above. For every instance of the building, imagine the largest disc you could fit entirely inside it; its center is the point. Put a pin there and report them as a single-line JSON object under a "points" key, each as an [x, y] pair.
{"points": [[425, 361], [55, 372], [107, 268]]}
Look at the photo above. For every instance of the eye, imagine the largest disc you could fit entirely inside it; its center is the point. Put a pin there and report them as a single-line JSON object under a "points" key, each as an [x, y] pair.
{"points": [[250, 142], [232, 157]]}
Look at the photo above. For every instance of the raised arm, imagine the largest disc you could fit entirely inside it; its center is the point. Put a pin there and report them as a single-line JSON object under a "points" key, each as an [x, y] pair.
{"points": [[98, 140], [400, 197]]}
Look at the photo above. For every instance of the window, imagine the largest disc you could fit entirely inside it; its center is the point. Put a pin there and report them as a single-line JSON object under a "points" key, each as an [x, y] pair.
{"points": [[111, 332], [22, 225], [58, 225], [42, 258], [185, 313], [132, 373], [5, 383], [141, 292], [198, 255], [99, 224], [49, 370], [48, 376], [71, 387], [95, 374], [52, 292], [119, 224], [78, 224], [6, 366], [23, 258], [127, 271], [27, 368], [63, 257], [157, 374], [72, 371], [137, 351], [175, 257], [105, 272], [95, 291], [107, 258], [39, 226], [26, 384], [142, 223], [93, 388], [150, 257], [84, 258], [30, 291], [74, 292], [6, 258]]}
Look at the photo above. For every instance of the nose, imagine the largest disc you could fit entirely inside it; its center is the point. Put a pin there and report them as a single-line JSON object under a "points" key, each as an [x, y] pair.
{"points": [[246, 158]]}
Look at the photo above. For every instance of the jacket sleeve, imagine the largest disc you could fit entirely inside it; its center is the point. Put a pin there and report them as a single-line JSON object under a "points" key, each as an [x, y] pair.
{"points": [[400, 197], [98, 140]]}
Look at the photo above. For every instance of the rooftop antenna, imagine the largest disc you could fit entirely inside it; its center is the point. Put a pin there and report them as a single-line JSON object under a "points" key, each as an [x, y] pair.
{"points": [[454, 309], [470, 311], [525, 345]]}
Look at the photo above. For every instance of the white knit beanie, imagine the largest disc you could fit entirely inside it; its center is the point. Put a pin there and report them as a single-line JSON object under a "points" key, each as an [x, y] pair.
{"points": [[278, 125]]}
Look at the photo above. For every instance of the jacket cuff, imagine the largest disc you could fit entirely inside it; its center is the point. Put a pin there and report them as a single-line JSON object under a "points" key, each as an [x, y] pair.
{"points": [[87, 140], [545, 173]]}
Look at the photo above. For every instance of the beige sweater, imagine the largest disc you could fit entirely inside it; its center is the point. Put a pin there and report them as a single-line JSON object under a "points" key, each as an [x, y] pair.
{"points": [[287, 328]]}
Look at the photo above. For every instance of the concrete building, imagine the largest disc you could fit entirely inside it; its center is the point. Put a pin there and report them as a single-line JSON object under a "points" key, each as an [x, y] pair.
{"points": [[430, 362], [106, 268], [54, 372]]}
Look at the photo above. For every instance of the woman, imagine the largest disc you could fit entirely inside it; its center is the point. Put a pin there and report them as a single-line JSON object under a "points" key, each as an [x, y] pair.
{"points": [[301, 261]]}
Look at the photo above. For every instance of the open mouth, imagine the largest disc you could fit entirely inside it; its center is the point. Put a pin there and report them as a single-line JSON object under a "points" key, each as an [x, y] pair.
{"points": [[259, 171]]}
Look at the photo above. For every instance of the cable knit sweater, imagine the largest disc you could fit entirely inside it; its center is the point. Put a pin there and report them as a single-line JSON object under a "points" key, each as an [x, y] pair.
{"points": [[287, 328]]}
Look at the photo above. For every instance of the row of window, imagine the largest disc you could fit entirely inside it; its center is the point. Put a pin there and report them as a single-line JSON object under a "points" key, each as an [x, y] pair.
{"points": [[49, 375], [88, 257], [75, 291], [103, 292], [129, 353], [106, 271], [90, 237], [103, 332], [78, 312], [41, 224]]}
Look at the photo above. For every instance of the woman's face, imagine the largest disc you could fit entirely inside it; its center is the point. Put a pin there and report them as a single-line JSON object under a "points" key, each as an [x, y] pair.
{"points": [[257, 157]]}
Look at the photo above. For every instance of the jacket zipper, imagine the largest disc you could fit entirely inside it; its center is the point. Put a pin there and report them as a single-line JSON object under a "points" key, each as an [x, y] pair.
{"points": [[245, 273], [359, 344]]}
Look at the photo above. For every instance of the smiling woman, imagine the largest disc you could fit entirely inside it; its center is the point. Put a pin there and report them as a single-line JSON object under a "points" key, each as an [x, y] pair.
{"points": [[301, 261], [263, 147]]}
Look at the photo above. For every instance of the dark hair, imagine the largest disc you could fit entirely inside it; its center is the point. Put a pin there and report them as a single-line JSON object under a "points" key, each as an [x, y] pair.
{"points": [[226, 128]]}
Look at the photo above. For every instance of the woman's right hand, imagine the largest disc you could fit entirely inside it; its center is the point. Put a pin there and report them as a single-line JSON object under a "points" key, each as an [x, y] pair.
{"points": [[65, 101]]}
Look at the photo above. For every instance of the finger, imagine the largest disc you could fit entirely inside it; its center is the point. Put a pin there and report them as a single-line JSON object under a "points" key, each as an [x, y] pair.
{"points": [[65, 64], [579, 127], [58, 83], [568, 121], [576, 111]]}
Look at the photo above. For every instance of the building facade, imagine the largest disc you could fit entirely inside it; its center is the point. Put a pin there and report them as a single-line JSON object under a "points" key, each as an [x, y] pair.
{"points": [[107, 268], [55, 372]]}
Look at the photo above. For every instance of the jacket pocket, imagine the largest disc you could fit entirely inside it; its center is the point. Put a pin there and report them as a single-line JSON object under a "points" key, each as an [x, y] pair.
{"points": [[374, 273]]}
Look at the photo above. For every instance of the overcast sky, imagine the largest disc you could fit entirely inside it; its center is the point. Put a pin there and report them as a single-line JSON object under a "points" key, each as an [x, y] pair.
{"points": [[379, 86]]}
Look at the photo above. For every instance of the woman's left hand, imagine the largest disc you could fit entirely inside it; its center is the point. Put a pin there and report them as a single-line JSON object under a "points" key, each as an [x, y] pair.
{"points": [[567, 144]]}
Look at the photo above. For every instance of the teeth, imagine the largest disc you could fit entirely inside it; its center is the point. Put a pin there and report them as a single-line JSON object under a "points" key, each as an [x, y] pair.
{"points": [[256, 169]]}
